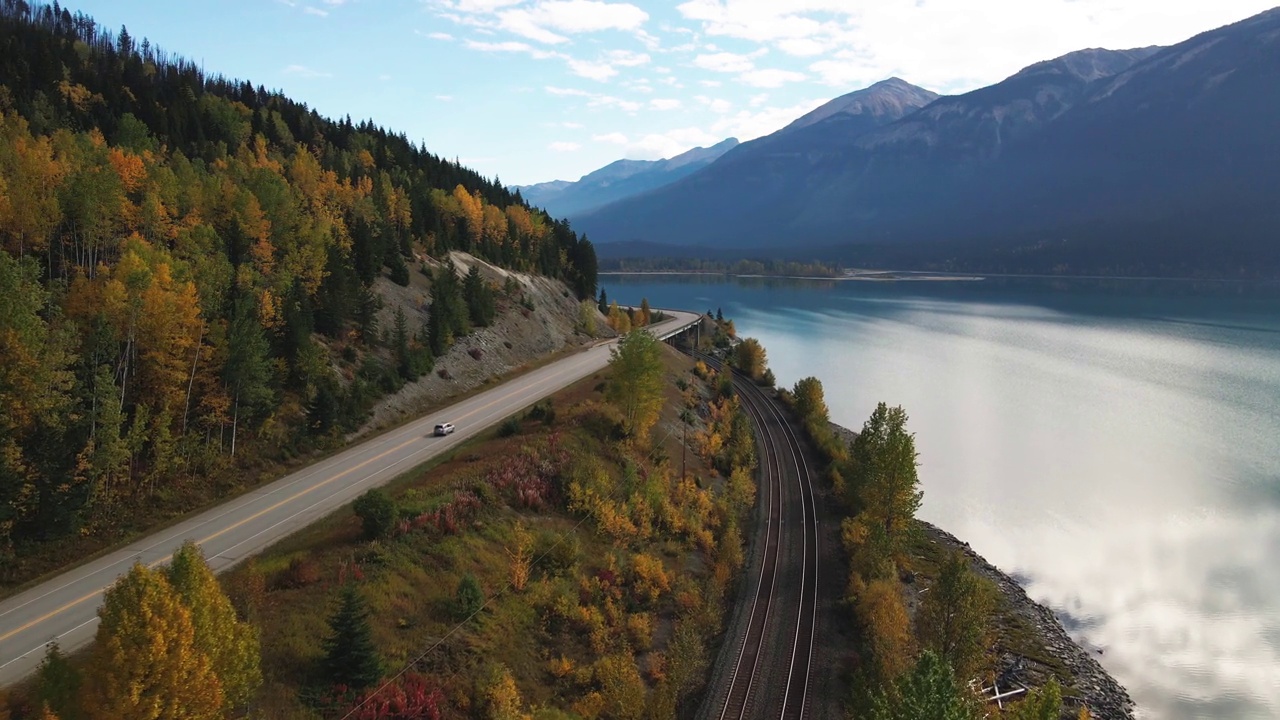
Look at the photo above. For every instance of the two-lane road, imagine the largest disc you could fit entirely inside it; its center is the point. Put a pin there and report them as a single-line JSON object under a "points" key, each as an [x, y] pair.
{"points": [[65, 608]]}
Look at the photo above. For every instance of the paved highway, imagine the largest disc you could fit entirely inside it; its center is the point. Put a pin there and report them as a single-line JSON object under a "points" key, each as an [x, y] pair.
{"points": [[65, 608]]}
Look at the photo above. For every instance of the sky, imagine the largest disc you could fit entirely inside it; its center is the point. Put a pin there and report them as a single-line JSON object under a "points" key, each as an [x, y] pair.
{"points": [[536, 90]]}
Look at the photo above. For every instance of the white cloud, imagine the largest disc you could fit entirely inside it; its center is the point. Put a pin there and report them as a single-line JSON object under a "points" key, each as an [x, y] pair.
{"points": [[521, 23], [482, 6], [803, 47], [595, 100], [566, 92], [725, 62], [508, 46], [651, 42], [951, 46], [577, 16], [627, 58], [572, 125], [540, 21], [440, 36], [592, 70], [749, 125], [718, 106], [770, 77], [613, 138], [710, 83], [665, 104], [445, 98], [306, 72], [670, 143], [758, 100], [561, 146], [315, 11]]}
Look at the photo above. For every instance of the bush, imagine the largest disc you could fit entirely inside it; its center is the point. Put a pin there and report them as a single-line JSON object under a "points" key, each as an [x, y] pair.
{"points": [[300, 573], [377, 513], [509, 427], [469, 598], [543, 411]]}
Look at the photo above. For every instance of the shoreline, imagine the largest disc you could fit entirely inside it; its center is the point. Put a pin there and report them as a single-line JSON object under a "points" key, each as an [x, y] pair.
{"points": [[1091, 685]]}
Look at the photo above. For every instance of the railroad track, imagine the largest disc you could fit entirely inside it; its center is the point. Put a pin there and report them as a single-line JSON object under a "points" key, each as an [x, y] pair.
{"points": [[773, 682]]}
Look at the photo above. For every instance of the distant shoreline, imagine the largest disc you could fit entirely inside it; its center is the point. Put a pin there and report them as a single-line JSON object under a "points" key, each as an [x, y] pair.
{"points": [[859, 276], [918, 276]]}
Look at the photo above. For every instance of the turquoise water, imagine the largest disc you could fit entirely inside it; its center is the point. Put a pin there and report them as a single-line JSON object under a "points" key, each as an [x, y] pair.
{"points": [[1116, 445]]}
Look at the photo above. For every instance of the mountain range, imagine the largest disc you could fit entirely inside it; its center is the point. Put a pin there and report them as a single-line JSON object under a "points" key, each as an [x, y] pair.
{"points": [[1145, 161], [619, 180]]}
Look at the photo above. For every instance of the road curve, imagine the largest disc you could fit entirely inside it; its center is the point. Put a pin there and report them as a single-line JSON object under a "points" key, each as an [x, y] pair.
{"points": [[65, 608]]}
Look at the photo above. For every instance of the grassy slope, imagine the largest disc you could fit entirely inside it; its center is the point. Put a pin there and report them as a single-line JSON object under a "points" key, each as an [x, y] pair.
{"points": [[411, 580]]}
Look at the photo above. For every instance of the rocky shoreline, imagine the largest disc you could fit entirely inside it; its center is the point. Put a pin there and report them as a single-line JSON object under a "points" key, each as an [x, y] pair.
{"points": [[1089, 684]]}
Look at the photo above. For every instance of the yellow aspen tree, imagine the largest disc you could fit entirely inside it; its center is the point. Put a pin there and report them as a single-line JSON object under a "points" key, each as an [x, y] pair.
{"points": [[232, 645], [521, 553], [502, 697], [145, 664], [886, 629]]}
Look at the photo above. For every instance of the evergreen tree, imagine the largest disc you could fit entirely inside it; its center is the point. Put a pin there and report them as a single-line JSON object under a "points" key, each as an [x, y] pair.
{"points": [[469, 598], [351, 659], [400, 345], [247, 370], [231, 644], [604, 302], [480, 302]]}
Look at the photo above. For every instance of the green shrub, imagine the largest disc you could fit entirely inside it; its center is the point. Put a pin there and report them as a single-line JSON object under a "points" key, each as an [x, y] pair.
{"points": [[469, 598], [377, 513], [509, 427]]}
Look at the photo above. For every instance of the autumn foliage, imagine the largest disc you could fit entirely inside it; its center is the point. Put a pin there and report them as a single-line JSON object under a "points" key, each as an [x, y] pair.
{"points": [[190, 269]]}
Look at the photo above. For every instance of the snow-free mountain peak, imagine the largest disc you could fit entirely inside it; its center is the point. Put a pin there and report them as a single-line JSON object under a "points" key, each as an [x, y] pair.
{"points": [[891, 99]]}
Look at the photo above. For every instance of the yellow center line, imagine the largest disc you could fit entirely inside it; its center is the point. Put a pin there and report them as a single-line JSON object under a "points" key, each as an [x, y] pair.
{"points": [[291, 498]]}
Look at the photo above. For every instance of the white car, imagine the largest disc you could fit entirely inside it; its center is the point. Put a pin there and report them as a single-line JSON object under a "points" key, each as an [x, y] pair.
{"points": [[444, 429]]}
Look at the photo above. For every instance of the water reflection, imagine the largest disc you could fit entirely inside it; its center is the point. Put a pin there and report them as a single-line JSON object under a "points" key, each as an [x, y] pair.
{"points": [[1116, 446]]}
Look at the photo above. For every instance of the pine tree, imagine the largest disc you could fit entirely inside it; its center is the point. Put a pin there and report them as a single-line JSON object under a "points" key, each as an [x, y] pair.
{"points": [[232, 645], [470, 597], [145, 664], [351, 659], [479, 297]]}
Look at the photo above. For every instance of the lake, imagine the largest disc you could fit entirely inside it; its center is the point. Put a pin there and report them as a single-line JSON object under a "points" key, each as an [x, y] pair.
{"points": [[1115, 445]]}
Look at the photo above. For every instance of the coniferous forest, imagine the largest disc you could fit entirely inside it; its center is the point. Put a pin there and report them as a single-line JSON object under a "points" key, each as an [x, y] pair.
{"points": [[181, 255]]}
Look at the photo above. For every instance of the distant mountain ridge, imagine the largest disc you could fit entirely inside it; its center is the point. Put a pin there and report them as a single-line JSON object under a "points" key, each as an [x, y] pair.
{"points": [[619, 180], [1151, 161]]}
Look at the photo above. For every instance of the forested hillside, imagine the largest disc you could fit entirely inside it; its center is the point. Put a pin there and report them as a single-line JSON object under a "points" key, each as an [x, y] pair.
{"points": [[186, 272]]}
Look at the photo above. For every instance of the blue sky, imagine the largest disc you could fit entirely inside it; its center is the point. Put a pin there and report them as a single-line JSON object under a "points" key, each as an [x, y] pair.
{"points": [[534, 90]]}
